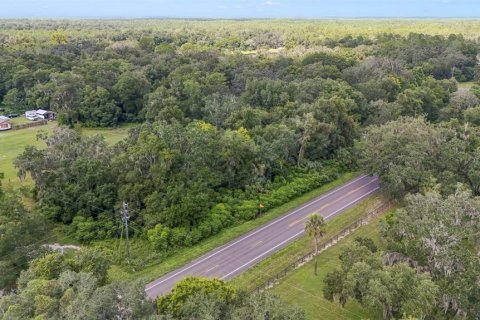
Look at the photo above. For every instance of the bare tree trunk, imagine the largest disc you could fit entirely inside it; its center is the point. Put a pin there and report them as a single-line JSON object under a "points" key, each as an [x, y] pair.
{"points": [[316, 256], [301, 153], [387, 312]]}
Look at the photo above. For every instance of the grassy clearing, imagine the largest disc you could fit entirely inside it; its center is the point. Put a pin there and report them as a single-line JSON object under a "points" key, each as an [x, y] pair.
{"points": [[111, 135], [158, 267], [20, 120], [276, 263], [466, 85], [303, 288], [13, 142]]}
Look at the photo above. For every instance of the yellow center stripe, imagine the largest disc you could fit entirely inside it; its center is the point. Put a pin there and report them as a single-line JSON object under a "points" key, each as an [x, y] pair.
{"points": [[332, 202], [215, 266]]}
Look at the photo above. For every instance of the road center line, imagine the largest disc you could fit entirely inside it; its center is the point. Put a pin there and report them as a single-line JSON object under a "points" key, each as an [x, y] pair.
{"points": [[253, 233], [257, 243], [332, 202], [345, 195], [295, 235], [210, 269], [264, 253]]}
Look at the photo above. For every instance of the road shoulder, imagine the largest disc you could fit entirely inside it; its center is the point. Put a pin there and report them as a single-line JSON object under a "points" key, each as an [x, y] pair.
{"points": [[184, 256], [262, 272]]}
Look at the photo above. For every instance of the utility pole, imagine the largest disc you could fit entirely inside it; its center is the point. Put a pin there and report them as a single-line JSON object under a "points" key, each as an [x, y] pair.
{"points": [[125, 218]]}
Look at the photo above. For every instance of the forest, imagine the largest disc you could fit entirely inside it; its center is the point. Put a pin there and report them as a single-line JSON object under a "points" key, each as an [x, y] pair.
{"points": [[229, 119]]}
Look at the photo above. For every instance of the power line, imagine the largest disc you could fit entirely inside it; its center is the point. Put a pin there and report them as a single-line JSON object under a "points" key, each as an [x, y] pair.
{"points": [[125, 219]]}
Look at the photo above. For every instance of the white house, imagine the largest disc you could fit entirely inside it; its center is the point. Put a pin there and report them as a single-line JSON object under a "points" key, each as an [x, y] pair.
{"points": [[45, 114], [40, 114], [31, 115]]}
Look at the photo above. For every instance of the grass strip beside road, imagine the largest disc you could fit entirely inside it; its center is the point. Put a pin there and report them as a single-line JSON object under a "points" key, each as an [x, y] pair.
{"points": [[301, 287], [262, 272], [183, 256]]}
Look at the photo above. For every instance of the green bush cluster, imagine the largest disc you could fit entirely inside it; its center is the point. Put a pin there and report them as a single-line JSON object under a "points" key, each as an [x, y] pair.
{"points": [[86, 230], [297, 187], [246, 206]]}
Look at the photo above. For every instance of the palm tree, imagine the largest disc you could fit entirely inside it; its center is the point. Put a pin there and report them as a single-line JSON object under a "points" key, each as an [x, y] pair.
{"points": [[315, 227]]}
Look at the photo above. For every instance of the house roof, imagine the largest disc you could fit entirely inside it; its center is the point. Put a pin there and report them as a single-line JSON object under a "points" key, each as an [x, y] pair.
{"points": [[4, 118], [42, 112]]}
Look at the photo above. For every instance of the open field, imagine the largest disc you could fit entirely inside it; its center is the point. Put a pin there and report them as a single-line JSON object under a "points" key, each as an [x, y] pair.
{"points": [[13, 142], [112, 135], [19, 120], [303, 288], [466, 85]]}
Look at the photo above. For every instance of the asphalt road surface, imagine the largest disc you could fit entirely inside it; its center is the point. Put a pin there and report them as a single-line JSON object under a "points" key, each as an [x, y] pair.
{"points": [[233, 258]]}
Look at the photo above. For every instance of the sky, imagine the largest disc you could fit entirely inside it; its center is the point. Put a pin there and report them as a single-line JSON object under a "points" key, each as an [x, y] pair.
{"points": [[237, 8]]}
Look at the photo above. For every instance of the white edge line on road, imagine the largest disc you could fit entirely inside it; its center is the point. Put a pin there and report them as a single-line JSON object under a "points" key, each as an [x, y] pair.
{"points": [[296, 235], [352, 202], [264, 253], [257, 231]]}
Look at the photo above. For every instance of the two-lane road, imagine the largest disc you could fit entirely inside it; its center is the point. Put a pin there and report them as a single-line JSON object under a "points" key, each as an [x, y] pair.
{"points": [[244, 252]]}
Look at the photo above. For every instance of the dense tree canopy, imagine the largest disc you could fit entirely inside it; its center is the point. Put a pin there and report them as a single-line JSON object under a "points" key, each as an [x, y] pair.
{"points": [[396, 290], [440, 235], [412, 155], [202, 298], [229, 120], [20, 232], [55, 287], [71, 175]]}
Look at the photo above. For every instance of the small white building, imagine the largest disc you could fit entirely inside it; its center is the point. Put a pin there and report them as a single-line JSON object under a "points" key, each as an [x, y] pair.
{"points": [[45, 114], [31, 115], [40, 114]]}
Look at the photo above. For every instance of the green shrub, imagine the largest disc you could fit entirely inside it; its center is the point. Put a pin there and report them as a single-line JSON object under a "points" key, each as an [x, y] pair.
{"points": [[196, 236], [85, 229], [180, 237], [160, 237], [189, 287], [247, 209], [237, 206]]}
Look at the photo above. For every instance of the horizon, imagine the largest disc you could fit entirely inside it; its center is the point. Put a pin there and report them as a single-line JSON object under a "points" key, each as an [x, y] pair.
{"points": [[113, 18], [239, 9]]}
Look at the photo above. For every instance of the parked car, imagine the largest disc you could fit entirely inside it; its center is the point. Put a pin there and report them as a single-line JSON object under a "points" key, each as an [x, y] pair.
{"points": [[13, 115]]}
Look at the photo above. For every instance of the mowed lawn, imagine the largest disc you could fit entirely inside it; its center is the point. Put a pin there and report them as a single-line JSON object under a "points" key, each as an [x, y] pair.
{"points": [[466, 85], [303, 288], [111, 135], [13, 142]]}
